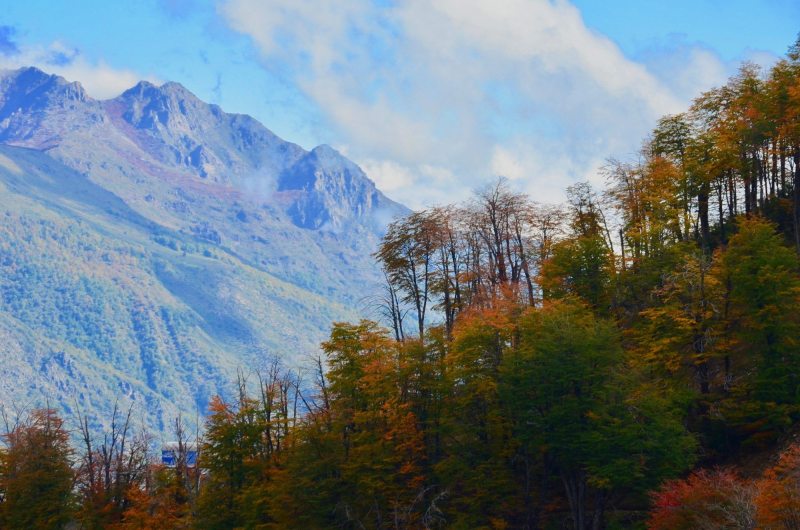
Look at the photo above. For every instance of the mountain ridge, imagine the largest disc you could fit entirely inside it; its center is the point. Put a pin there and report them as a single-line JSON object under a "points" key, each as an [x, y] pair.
{"points": [[164, 122]]}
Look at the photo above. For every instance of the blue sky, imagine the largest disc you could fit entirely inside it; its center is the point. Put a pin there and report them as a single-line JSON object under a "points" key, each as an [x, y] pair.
{"points": [[432, 98]]}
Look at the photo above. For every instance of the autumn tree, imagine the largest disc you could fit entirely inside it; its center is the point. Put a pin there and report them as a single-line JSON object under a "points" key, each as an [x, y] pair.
{"points": [[160, 503], [679, 335], [36, 475], [242, 447], [166, 497], [778, 492], [110, 470], [582, 264], [475, 432], [706, 499], [381, 465], [406, 254]]}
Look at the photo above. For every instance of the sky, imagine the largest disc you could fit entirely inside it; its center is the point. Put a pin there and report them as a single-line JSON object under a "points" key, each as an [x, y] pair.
{"points": [[433, 98]]}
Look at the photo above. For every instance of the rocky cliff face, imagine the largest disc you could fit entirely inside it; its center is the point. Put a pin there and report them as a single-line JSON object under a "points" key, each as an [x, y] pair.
{"points": [[330, 190], [152, 244]]}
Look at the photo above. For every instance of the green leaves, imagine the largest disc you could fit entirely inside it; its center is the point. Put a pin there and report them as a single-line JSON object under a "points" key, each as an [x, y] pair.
{"points": [[566, 393]]}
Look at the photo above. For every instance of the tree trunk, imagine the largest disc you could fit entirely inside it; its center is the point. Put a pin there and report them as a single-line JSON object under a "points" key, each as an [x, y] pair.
{"points": [[746, 178], [783, 167], [774, 174], [721, 212], [796, 198], [598, 517], [575, 486], [755, 177], [702, 211]]}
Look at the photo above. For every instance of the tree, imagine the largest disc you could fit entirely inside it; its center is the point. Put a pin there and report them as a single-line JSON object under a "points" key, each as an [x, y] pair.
{"points": [[111, 471], [243, 448], [475, 432], [36, 475], [679, 335], [706, 499], [763, 327], [778, 498], [231, 456], [406, 254], [161, 503], [567, 397], [581, 267], [358, 457], [371, 414]]}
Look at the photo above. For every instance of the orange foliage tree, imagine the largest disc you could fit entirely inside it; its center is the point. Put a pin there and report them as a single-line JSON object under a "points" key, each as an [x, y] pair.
{"points": [[778, 499]]}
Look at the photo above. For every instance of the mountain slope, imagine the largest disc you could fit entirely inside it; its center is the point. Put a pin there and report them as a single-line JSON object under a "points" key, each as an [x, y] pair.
{"points": [[151, 245]]}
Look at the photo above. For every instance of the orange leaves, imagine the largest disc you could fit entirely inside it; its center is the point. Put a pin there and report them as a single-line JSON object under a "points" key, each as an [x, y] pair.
{"points": [[155, 507], [499, 317], [651, 198], [218, 406], [778, 498], [681, 333]]}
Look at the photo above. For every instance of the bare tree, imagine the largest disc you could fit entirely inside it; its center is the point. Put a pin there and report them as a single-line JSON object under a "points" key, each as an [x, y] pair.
{"points": [[109, 469]]}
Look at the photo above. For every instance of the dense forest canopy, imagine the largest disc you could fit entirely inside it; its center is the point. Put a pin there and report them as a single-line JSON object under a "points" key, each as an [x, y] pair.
{"points": [[627, 359]]}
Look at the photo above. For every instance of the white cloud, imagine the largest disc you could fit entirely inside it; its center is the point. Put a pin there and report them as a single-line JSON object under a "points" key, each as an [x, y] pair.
{"points": [[762, 58], [472, 88], [100, 80], [505, 164], [388, 176]]}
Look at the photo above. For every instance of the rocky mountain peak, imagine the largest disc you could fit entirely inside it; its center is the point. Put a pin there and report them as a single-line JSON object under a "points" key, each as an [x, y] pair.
{"points": [[148, 106], [335, 191], [35, 107], [32, 89]]}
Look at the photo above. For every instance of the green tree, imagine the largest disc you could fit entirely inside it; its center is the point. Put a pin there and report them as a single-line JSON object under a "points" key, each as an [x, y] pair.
{"points": [[233, 454], [763, 327], [600, 432], [582, 267]]}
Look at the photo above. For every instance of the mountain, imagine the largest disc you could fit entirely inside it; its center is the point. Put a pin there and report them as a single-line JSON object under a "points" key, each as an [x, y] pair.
{"points": [[153, 245]]}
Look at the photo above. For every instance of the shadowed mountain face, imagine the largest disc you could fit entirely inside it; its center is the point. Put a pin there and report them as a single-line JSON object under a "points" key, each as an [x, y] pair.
{"points": [[152, 244]]}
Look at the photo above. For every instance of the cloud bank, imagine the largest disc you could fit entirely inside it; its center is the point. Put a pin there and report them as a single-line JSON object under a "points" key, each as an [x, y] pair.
{"points": [[99, 79], [434, 98]]}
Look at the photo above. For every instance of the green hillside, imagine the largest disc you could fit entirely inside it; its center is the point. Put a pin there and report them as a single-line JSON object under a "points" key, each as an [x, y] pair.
{"points": [[98, 303]]}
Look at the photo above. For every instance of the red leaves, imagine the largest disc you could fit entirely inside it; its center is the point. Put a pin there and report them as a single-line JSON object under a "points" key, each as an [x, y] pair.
{"points": [[706, 499], [721, 499]]}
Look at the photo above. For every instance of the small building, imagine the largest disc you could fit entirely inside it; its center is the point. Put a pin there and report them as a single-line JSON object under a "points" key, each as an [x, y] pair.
{"points": [[170, 454]]}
